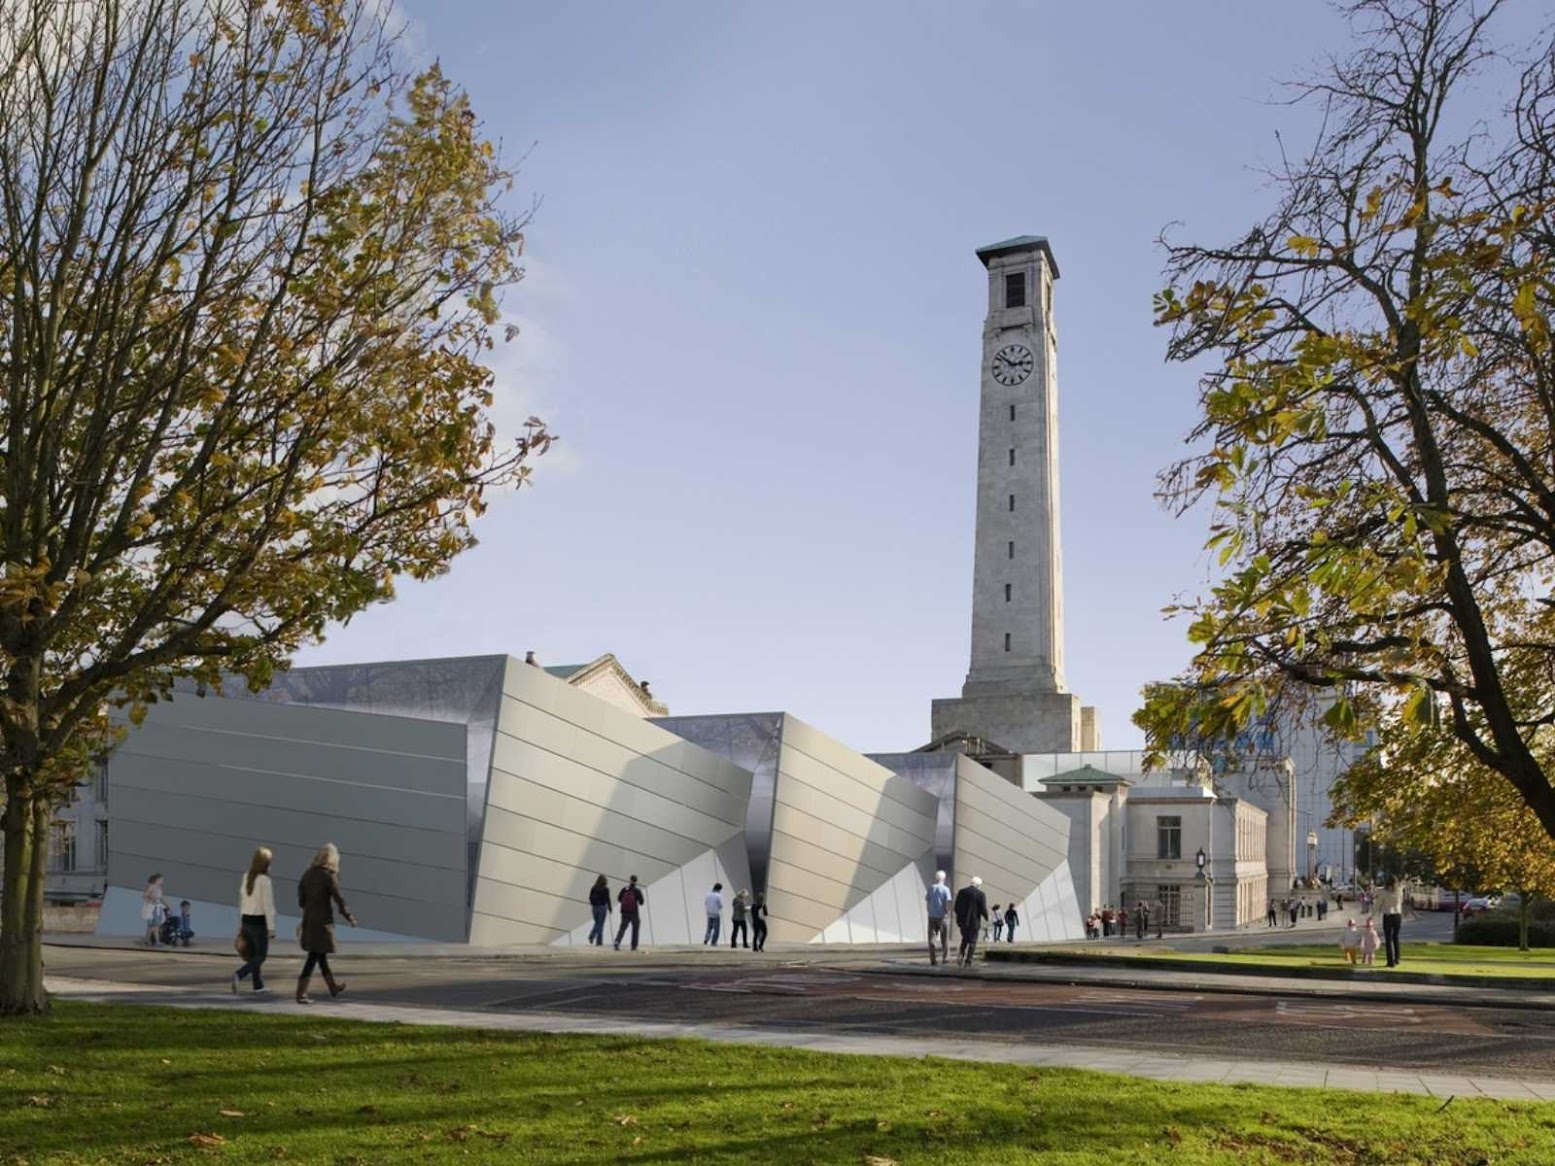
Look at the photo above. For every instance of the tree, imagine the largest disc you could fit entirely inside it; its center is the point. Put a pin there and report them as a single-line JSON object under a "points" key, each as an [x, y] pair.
{"points": [[1423, 790], [249, 272], [1375, 437]]}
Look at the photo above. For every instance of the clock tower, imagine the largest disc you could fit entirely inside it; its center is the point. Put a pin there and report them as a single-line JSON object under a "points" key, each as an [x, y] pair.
{"points": [[1014, 696]]}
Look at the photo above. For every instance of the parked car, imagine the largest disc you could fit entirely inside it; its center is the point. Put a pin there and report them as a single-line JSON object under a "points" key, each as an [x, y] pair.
{"points": [[1481, 903]]}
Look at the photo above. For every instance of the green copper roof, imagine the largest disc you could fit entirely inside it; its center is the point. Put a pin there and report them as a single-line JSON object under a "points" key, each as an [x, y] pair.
{"points": [[1019, 243], [562, 671], [1086, 775]]}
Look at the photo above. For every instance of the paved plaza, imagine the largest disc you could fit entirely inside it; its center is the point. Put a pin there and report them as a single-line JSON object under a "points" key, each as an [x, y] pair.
{"points": [[1432, 1039]]}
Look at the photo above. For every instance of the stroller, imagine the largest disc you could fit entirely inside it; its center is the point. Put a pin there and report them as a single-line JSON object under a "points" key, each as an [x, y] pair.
{"points": [[170, 934]]}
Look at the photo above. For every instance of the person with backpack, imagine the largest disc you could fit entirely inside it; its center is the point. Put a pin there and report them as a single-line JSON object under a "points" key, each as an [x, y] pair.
{"points": [[599, 903], [737, 928], [631, 899]]}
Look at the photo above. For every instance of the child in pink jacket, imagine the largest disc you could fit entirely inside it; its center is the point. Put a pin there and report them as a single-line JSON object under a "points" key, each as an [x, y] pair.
{"points": [[1369, 941]]}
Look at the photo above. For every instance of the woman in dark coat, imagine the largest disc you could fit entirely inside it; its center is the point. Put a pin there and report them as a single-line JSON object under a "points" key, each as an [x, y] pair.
{"points": [[317, 891]]}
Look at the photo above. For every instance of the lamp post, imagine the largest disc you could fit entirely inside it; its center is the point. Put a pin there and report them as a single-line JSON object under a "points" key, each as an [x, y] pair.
{"points": [[1199, 860], [1311, 857]]}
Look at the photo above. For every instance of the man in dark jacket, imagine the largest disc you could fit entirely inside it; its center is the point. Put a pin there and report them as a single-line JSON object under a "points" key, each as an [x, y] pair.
{"points": [[631, 900], [971, 911]]}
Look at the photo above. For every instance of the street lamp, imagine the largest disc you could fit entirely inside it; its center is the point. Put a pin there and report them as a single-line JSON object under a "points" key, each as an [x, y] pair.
{"points": [[1311, 856], [1199, 860]]}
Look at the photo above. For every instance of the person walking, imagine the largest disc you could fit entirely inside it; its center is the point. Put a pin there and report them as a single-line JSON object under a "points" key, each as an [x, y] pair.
{"points": [[938, 903], [1010, 920], [153, 912], [737, 928], [1141, 919], [759, 922], [1274, 913], [631, 899], [715, 915], [318, 894], [599, 903], [1349, 941], [1295, 909], [971, 911], [256, 919], [998, 921], [1392, 901]]}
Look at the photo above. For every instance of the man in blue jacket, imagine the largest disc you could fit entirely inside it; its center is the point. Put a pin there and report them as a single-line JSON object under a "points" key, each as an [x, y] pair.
{"points": [[938, 900]]}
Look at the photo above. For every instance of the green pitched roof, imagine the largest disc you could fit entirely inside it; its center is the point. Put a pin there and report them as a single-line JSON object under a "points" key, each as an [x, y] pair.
{"points": [[1020, 243], [562, 671]]}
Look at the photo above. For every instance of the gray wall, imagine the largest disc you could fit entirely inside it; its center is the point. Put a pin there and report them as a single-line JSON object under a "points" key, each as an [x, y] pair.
{"points": [[205, 780], [581, 788]]}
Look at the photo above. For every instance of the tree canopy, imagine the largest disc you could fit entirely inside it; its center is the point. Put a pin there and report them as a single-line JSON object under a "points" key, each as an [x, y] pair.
{"points": [[1375, 421], [249, 271]]}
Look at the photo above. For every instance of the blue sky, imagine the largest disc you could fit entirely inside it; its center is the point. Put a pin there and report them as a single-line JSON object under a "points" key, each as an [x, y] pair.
{"points": [[753, 314]]}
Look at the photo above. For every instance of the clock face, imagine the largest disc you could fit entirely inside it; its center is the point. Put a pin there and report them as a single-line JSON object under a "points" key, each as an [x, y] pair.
{"points": [[1012, 364]]}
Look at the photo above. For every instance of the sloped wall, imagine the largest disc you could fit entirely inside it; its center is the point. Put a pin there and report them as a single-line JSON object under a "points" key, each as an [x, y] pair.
{"points": [[580, 788]]}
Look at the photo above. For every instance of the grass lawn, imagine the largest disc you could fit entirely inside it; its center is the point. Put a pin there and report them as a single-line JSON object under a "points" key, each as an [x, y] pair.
{"points": [[98, 1084], [1420, 958]]}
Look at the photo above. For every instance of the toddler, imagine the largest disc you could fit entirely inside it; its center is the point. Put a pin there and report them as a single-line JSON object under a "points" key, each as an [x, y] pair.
{"points": [[1349, 941], [1369, 940]]}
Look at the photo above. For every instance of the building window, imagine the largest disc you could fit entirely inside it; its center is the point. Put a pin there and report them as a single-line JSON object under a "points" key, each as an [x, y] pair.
{"points": [[1012, 502], [1012, 548], [1012, 412], [1006, 641], [1006, 593], [1015, 289], [62, 847], [1168, 837], [1012, 457], [100, 783], [102, 846]]}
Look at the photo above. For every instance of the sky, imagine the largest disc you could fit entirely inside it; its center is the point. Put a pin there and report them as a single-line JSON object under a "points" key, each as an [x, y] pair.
{"points": [[753, 313]]}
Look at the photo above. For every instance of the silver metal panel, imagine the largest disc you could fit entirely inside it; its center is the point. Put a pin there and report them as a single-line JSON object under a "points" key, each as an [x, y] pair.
{"points": [[207, 780]]}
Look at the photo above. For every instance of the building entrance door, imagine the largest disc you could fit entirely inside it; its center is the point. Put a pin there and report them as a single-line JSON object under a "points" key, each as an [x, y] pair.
{"points": [[1170, 897]]}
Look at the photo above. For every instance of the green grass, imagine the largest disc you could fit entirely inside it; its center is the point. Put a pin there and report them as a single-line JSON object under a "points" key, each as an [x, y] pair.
{"points": [[98, 1084], [1419, 958]]}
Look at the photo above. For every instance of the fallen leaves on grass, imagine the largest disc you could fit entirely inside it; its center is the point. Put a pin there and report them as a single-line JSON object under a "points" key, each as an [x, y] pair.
{"points": [[873, 1160], [40, 1101], [201, 1139], [624, 1119], [367, 1109], [55, 1069], [231, 1113]]}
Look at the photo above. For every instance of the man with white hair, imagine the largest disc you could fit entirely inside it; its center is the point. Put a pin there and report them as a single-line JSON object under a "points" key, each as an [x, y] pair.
{"points": [[971, 912], [938, 900]]}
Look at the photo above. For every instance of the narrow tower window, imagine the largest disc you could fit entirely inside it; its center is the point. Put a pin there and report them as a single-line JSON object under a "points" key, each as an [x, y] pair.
{"points": [[1012, 548], [1006, 641], [1012, 502], [1015, 289], [1006, 593], [1012, 412], [1012, 457]]}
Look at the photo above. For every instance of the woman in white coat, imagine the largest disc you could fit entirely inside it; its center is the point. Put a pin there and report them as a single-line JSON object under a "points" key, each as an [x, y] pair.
{"points": [[256, 906]]}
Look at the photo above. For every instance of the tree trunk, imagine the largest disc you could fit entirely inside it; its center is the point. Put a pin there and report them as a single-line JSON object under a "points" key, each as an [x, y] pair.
{"points": [[26, 821]]}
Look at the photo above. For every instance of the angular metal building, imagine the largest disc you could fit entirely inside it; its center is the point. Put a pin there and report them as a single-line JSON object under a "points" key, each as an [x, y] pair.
{"points": [[475, 800]]}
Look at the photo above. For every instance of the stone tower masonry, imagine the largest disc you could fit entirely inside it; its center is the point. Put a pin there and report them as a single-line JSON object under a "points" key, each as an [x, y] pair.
{"points": [[1014, 695]]}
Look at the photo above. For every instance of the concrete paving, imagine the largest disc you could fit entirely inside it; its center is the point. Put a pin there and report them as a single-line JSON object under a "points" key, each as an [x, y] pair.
{"points": [[1154, 1065]]}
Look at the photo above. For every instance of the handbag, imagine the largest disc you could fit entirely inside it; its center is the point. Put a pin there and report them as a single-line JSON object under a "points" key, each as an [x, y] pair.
{"points": [[240, 944]]}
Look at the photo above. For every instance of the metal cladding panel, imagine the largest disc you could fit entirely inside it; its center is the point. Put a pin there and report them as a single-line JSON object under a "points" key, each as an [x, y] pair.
{"points": [[1012, 840], [206, 780], [935, 773], [580, 788], [844, 827]]}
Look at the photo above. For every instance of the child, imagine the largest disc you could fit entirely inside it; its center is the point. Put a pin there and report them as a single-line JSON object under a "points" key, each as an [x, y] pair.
{"points": [[185, 923], [1349, 940], [1369, 942]]}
